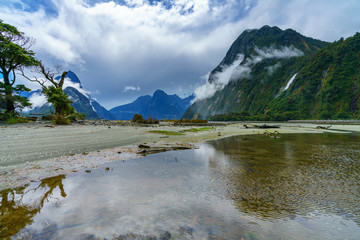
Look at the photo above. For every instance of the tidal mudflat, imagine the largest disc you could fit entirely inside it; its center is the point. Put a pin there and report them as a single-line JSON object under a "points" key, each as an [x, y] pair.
{"points": [[297, 186]]}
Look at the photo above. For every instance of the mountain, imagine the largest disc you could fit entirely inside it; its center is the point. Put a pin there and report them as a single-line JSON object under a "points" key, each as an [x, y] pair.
{"points": [[72, 76], [127, 111], [82, 101], [159, 106], [327, 87], [256, 69]]}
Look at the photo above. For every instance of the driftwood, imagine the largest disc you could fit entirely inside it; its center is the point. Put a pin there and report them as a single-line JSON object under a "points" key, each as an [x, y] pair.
{"points": [[146, 149], [321, 127], [275, 133], [264, 126]]}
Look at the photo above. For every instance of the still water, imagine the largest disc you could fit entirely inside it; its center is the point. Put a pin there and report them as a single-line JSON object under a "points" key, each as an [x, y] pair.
{"points": [[303, 186]]}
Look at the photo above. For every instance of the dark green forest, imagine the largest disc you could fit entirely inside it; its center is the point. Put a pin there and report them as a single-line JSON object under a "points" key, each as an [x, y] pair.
{"points": [[326, 85]]}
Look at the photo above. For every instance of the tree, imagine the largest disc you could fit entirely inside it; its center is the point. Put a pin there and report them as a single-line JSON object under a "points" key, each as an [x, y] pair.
{"points": [[14, 54], [54, 92]]}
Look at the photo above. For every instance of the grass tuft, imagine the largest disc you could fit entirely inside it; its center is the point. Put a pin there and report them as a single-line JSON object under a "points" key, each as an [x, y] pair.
{"points": [[168, 133], [197, 129]]}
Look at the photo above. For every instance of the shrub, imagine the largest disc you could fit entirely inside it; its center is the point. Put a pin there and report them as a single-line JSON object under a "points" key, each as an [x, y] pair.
{"points": [[152, 120], [47, 117], [61, 120], [138, 118], [191, 121], [12, 120]]}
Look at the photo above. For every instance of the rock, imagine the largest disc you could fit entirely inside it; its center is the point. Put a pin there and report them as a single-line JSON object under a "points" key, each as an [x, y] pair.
{"points": [[143, 146], [142, 151]]}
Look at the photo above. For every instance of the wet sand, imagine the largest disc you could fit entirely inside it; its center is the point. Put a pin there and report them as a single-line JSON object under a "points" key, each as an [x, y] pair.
{"points": [[30, 152]]}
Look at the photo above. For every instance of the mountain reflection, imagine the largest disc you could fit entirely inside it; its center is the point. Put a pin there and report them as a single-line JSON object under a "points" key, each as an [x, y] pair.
{"points": [[19, 206], [290, 176]]}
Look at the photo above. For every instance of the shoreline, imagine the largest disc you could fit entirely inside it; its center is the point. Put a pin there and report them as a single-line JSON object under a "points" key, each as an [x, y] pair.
{"points": [[31, 152]]}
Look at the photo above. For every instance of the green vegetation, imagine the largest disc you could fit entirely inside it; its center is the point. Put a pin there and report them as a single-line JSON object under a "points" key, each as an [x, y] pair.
{"points": [[168, 133], [198, 129], [64, 112], [14, 55], [190, 121], [253, 92], [326, 86], [138, 118], [172, 133], [13, 120], [244, 116]]}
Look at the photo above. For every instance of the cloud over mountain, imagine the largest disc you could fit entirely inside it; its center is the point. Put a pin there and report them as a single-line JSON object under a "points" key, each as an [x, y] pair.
{"points": [[160, 44]]}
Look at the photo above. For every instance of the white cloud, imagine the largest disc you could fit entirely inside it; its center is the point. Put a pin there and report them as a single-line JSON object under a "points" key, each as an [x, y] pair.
{"points": [[69, 83], [272, 69], [109, 45], [37, 99], [283, 52], [220, 79], [241, 69], [131, 88]]}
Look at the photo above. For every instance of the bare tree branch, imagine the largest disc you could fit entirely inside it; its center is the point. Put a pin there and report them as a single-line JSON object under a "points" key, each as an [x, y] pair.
{"points": [[34, 79]]}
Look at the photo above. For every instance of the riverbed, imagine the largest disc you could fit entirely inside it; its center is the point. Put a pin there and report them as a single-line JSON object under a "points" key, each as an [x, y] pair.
{"points": [[294, 186], [31, 152]]}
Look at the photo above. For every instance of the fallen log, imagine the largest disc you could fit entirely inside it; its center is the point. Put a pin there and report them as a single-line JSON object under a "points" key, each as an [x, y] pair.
{"points": [[321, 127]]}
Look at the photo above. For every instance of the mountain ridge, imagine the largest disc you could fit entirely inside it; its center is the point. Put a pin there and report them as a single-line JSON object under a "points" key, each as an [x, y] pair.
{"points": [[261, 62], [160, 106]]}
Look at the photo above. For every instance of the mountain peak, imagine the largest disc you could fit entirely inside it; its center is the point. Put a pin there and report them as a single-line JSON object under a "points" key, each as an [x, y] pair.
{"points": [[160, 106], [72, 76], [159, 92], [270, 37]]}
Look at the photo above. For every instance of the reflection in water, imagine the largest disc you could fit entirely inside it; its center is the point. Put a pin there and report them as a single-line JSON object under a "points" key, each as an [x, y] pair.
{"points": [[293, 175], [246, 187], [18, 210]]}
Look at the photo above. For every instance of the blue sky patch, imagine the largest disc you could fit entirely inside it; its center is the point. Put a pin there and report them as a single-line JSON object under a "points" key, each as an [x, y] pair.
{"points": [[32, 6]]}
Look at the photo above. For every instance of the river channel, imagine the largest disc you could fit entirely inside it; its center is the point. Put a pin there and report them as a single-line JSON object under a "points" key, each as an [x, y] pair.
{"points": [[296, 186]]}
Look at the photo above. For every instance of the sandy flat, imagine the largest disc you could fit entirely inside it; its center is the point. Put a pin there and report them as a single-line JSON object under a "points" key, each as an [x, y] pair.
{"points": [[29, 152]]}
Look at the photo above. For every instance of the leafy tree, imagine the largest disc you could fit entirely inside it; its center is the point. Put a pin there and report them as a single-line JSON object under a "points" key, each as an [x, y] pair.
{"points": [[14, 54], [19, 102], [54, 92]]}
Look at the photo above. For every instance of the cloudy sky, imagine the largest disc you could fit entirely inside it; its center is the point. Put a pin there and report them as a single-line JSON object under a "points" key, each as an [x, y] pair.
{"points": [[122, 49]]}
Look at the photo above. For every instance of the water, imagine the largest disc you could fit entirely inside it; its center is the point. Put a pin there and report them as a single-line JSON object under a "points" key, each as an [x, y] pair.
{"points": [[303, 186]]}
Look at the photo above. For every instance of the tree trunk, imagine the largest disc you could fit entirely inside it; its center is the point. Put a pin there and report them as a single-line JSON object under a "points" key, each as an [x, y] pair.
{"points": [[9, 100]]}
